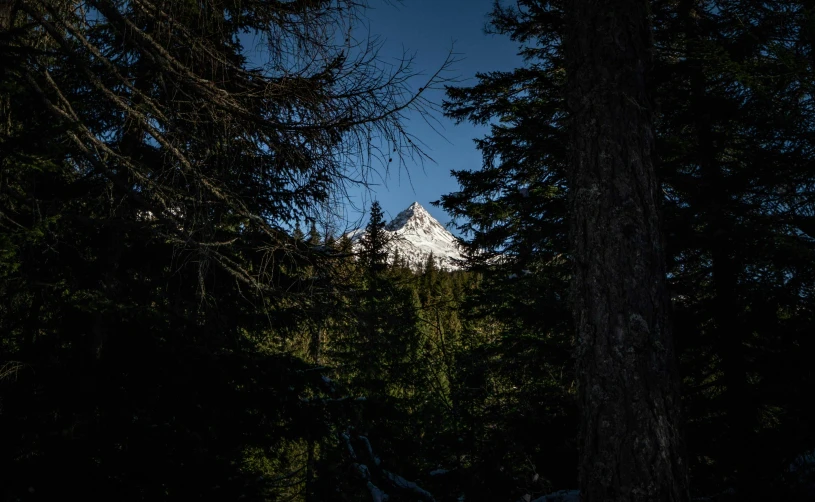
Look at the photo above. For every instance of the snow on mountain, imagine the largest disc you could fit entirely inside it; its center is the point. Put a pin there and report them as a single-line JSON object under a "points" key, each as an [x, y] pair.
{"points": [[415, 234]]}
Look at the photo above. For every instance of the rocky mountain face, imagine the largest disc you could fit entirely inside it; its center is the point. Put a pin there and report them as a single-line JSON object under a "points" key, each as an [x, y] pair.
{"points": [[414, 234]]}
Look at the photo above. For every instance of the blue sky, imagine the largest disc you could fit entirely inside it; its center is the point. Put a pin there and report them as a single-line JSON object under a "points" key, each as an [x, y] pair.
{"points": [[429, 28]]}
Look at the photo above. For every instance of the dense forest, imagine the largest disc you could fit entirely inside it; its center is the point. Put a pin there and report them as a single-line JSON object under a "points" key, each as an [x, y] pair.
{"points": [[168, 330]]}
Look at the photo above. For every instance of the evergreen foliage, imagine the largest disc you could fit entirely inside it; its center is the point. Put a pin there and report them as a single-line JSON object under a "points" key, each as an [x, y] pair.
{"points": [[161, 327], [374, 241], [177, 320], [734, 124]]}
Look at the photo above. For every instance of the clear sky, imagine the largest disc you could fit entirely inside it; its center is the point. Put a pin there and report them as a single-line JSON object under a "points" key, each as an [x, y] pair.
{"points": [[429, 28]]}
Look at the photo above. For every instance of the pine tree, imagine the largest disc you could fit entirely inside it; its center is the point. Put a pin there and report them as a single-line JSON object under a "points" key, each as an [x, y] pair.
{"points": [[314, 238], [298, 234], [374, 242], [512, 212]]}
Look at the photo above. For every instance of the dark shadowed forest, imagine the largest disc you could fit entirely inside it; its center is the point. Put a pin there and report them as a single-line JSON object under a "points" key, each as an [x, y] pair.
{"points": [[185, 316]]}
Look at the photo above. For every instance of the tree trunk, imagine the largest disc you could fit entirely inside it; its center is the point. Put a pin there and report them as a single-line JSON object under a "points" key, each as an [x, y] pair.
{"points": [[631, 444], [7, 10]]}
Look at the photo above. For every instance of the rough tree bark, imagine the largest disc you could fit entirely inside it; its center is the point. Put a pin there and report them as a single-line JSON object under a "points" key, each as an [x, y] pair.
{"points": [[631, 444], [7, 10]]}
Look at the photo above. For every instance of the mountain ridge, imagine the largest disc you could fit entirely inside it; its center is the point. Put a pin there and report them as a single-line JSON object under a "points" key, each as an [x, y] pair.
{"points": [[415, 234]]}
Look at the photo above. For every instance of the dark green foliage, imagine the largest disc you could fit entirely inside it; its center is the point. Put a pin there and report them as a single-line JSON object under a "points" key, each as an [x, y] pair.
{"points": [[160, 328], [733, 86], [162, 336], [737, 158], [313, 235], [515, 207], [374, 242]]}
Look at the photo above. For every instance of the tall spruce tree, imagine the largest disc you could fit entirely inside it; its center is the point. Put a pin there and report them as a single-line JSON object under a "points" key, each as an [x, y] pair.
{"points": [[374, 251], [512, 211]]}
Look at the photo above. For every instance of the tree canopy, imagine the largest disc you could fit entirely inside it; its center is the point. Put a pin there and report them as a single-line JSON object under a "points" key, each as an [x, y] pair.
{"points": [[179, 318]]}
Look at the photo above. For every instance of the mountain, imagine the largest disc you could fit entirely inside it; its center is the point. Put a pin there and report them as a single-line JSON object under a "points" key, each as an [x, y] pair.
{"points": [[415, 234]]}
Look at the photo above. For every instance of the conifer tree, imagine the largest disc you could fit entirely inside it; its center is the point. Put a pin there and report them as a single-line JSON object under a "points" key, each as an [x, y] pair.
{"points": [[374, 242], [298, 234], [747, 119], [513, 213], [313, 235]]}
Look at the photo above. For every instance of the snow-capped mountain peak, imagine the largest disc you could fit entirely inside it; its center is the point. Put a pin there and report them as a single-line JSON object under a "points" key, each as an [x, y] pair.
{"points": [[416, 218], [414, 234]]}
